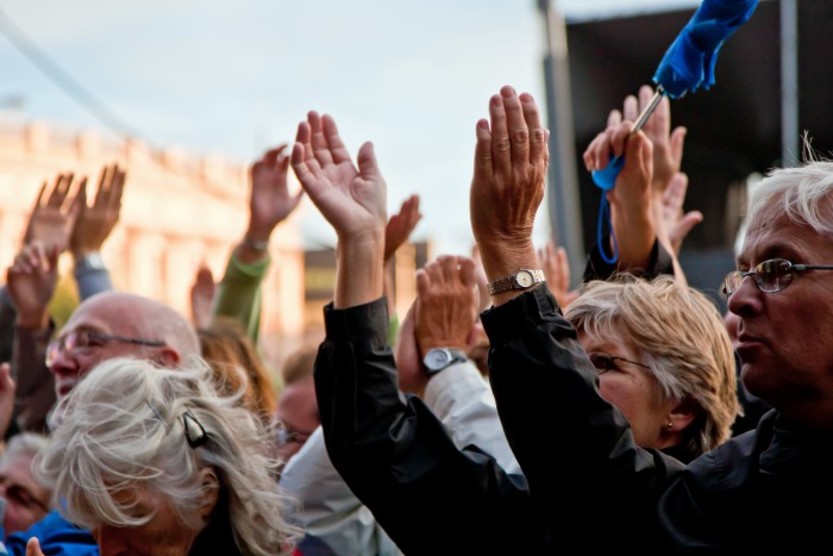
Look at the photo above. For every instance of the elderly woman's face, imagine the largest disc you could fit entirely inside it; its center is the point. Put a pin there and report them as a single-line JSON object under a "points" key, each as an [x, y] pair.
{"points": [[630, 387], [163, 535], [26, 500]]}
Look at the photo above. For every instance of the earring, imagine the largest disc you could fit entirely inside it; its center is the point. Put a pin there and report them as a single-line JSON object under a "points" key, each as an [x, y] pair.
{"points": [[669, 426]]}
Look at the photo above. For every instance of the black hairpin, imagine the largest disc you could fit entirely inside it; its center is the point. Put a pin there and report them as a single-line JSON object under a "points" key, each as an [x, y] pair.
{"points": [[194, 431]]}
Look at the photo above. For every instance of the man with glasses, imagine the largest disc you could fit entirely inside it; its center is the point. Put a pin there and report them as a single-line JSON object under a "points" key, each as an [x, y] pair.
{"points": [[775, 478], [106, 325]]}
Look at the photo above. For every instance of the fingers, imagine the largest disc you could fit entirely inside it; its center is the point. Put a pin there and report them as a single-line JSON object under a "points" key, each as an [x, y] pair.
{"points": [[368, 167], [303, 158], [336, 145], [516, 124], [60, 191], [483, 164], [677, 142], [630, 108], [501, 149], [7, 383], [33, 547], [318, 140], [538, 134]]}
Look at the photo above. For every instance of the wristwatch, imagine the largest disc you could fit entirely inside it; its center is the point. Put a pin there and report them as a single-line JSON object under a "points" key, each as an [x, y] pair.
{"points": [[90, 261], [437, 359], [521, 280]]}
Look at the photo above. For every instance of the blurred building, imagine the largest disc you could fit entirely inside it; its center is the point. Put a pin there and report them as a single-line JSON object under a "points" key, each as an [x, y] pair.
{"points": [[178, 212]]}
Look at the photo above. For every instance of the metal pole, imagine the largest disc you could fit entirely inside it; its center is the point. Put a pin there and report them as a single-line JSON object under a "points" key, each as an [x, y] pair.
{"points": [[563, 200], [790, 132]]}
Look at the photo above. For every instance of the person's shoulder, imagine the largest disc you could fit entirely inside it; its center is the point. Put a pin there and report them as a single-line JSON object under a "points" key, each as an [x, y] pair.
{"points": [[732, 464], [57, 536]]}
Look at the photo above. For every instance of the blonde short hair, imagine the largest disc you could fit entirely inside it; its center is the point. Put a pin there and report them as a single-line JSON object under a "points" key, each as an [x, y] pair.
{"points": [[682, 338]]}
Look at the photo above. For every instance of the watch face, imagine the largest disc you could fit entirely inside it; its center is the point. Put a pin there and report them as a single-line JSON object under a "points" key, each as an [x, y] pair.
{"points": [[524, 278], [437, 359]]}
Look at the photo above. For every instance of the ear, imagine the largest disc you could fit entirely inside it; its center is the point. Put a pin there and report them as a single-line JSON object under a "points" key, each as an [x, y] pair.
{"points": [[167, 357], [683, 413], [210, 492]]}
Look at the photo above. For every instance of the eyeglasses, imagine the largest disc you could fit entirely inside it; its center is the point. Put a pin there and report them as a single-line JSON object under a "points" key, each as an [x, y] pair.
{"points": [[82, 342], [285, 435], [770, 276], [605, 362]]}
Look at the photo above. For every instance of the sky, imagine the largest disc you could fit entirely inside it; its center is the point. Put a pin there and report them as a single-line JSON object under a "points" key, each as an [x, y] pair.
{"points": [[235, 78]]}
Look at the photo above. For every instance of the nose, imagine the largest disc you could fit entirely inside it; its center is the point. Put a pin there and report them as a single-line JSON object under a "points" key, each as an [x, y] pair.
{"points": [[747, 299], [63, 364]]}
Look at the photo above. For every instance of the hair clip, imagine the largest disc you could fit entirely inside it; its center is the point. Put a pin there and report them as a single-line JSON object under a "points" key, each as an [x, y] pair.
{"points": [[194, 431]]}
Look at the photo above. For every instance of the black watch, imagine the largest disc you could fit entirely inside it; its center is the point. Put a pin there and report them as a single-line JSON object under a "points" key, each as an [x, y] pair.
{"points": [[437, 359]]}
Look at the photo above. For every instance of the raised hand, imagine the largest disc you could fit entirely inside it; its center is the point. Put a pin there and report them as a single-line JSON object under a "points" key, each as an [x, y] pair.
{"points": [[269, 200], [556, 268], [401, 224], [353, 200], [678, 223], [52, 219], [668, 144], [443, 315], [94, 223], [510, 167], [203, 291], [31, 281]]}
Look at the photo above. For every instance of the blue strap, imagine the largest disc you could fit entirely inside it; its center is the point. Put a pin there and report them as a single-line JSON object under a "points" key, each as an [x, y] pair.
{"points": [[604, 220]]}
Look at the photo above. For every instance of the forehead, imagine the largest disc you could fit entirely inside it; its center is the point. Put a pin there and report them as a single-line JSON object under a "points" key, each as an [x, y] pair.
{"points": [[773, 235], [108, 314]]}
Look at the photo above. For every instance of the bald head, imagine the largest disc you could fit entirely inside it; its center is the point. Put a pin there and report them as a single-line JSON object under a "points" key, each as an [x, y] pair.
{"points": [[118, 324], [138, 316]]}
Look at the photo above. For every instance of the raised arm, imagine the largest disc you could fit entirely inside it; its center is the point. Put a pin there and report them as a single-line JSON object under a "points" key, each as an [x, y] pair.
{"points": [[510, 166], [92, 228], [353, 200], [238, 295]]}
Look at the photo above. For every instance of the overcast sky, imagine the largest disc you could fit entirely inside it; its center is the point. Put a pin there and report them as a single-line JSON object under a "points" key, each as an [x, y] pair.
{"points": [[233, 78]]}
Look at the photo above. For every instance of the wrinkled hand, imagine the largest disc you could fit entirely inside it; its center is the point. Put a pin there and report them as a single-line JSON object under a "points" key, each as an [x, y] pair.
{"points": [[52, 220], [668, 145], [400, 225], [269, 199], [7, 392], [95, 222], [676, 222], [31, 281], [202, 297], [446, 305], [353, 200], [556, 268], [510, 167]]}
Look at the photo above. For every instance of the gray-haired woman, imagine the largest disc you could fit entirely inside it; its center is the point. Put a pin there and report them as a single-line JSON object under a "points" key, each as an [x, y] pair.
{"points": [[154, 461]]}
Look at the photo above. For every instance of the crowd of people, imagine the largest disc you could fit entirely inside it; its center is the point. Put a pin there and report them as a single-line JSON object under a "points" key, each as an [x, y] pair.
{"points": [[504, 413]]}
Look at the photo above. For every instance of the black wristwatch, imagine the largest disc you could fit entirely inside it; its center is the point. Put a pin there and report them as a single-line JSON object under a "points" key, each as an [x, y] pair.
{"points": [[437, 359]]}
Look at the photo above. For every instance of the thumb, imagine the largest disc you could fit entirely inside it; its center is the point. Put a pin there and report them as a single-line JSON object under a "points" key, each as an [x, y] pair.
{"points": [[33, 547], [6, 381], [687, 223], [368, 168]]}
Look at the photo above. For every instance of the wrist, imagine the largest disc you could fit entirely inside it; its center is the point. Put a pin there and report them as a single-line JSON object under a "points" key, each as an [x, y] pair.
{"points": [[89, 260], [359, 270], [33, 321]]}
